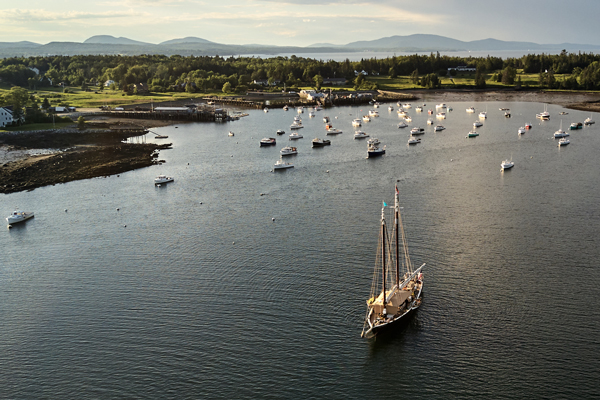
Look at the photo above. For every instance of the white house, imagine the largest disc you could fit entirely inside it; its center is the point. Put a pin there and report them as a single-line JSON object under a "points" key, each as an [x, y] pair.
{"points": [[463, 68], [108, 83], [34, 69], [6, 117]]}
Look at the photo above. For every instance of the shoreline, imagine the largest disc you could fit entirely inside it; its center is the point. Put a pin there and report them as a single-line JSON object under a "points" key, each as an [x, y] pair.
{"points": [[40, 158]]}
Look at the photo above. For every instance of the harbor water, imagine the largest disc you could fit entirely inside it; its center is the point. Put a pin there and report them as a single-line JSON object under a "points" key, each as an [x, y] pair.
{"points": [[238, 282]]}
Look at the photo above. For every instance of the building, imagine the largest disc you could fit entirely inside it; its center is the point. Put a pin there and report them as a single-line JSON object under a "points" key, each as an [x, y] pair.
{"points": [[108, 83], [463, 68], [6, 116]]}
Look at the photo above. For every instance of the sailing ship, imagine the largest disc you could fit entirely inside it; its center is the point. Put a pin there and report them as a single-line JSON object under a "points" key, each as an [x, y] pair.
{"points": [[397, 286]]}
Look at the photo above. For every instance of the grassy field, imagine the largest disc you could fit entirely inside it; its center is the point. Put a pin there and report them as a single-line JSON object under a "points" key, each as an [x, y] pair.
{"points": [[36, 127]]}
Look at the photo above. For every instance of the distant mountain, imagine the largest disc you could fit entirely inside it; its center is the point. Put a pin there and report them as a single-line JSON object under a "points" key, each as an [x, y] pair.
{"points": [[189, 39], [110, 45], [107, 39]]}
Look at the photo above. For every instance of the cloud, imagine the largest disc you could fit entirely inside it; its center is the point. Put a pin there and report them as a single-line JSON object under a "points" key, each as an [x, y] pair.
{"points": [[41, 15]]}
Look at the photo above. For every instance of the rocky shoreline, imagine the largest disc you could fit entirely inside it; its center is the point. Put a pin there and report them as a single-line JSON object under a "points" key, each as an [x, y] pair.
{"points": [[88, 155]]}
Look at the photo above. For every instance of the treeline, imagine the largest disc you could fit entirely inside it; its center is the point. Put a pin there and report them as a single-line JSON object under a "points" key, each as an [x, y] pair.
{"points": [[169, 73]]}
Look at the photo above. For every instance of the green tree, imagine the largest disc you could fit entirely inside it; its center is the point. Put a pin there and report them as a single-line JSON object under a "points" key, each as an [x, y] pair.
{"points": [[479, 79], [45, 104], [81, 123], [508, 75], [226, 87], [358, 81], [318, 80], [414, 76], [18, 98], [392, 73]]}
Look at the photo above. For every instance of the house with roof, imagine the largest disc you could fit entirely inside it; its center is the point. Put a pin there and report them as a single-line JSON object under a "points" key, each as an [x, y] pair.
{"points": [[334, 81], [108, 83], [6, 116]]}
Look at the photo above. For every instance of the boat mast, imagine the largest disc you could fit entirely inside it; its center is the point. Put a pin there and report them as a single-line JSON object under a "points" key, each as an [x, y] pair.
{"points": [[396, 212], [383, 253]]}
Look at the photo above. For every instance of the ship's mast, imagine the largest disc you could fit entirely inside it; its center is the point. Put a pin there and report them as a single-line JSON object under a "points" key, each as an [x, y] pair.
{"points": [[396, 212], [383, 254]]}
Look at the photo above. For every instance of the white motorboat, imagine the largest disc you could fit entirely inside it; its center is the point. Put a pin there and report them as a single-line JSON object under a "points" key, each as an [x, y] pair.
{"points": [[373, 113], [373, 142], [413, 140], [477, 124], [333, 131], [417, 131], [316, 142], [429, 122], [280, 132], [267, 142], [266, 109], [311, 114], [470, 109], [231, 133], [441, 115], [163, 179], [296, 125], [441, 105], [507, 164], [545, 115], [521, 130], [295, 136], [589, 121], [285, 108], [439, 128], [366, 118], [300, 110], [419, 109], [563, 142], [375, 151], [408, 118], [402, 125], [390, 108], [326, 119], [280, 164], [376, 105], [356, 122], [406, 105], [401, 113], [297, 118], [19, 216], [288, 151], [360, 135], [483, 114]]}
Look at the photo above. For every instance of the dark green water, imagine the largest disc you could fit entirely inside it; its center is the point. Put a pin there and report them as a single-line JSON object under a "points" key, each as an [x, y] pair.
{"points": [[191, 290]]}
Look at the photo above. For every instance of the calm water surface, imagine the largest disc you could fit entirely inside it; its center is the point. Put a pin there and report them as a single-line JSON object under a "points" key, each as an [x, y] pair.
{"points": [[191, 290]]}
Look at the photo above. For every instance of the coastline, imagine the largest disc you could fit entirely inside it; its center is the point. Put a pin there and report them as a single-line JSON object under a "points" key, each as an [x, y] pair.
{"points": [[34, 159]]}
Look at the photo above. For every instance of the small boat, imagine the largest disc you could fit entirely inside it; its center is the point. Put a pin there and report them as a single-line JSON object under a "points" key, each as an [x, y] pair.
{"points": [[267, 142], [413, 140], [441, 115], [504, 109], [563, 142], [406, 105], [373, 141], [328, 126], [472, 134], [483, 114], [439, 128], [266, 109], [507, 115], [326, 119], [402, 113], [576, 125], [391, 305], [441, 105], [544, 116], [366, 118], [356, 122], [231, 133], [417, 131], [430, 112], [297, 118], [166, 137], [373, 113], [296, 125], [408, 118], [429, 122], [375, 151], [589, 121], [507, 164], [163, 179], [19, 216], [280, 132], [360, 135], [402, 125], [280, 164], [563, 113], [285, 108], [333, 131], [288, 151], [419, 109], [390, 108], [316, 142], [300, 110], [376, 105], [560, 133], [477, 124], [311, 114], [295, 136], [521, 131]]}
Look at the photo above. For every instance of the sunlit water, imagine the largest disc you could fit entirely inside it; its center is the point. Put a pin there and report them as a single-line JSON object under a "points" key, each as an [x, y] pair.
{"points": [[120, 289]]}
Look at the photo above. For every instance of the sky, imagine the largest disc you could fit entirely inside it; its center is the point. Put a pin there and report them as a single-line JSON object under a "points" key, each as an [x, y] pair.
{"points": [[300, 22]]}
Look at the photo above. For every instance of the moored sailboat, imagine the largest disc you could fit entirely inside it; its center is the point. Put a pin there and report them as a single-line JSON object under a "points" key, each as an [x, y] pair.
{"points": [[387, 307]]}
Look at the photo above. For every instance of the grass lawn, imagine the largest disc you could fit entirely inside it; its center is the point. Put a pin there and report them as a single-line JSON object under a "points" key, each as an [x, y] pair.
{"points": [[38, 127]]}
